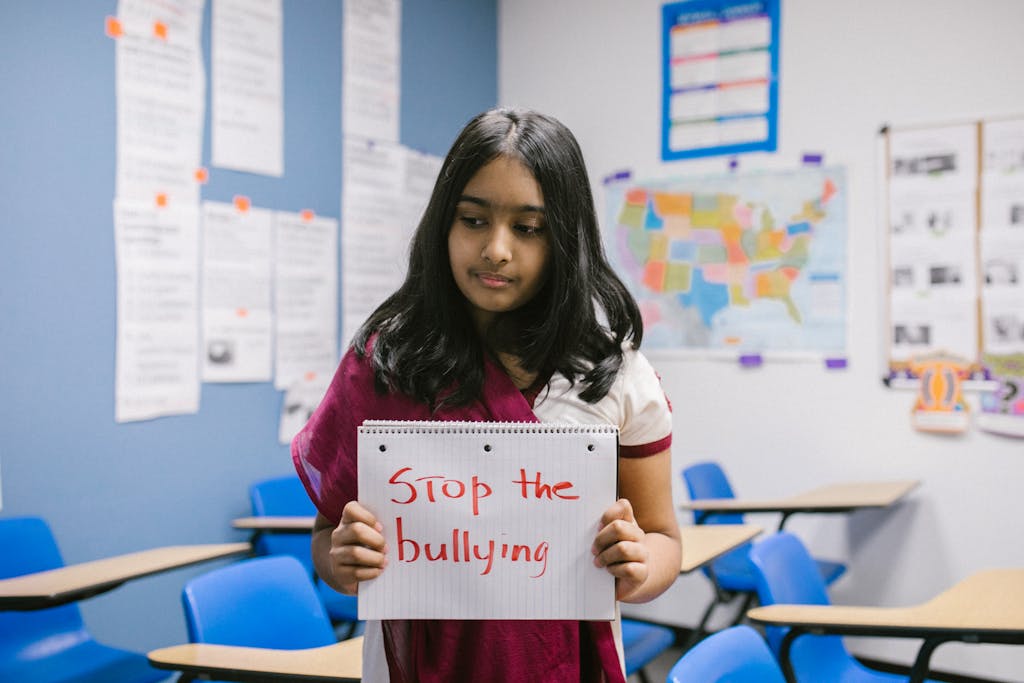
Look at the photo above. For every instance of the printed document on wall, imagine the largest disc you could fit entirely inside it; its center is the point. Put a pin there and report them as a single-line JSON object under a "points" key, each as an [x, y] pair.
{"points": [[236, 285], [161, 89], [385, 192], [157, 358], [247, 98], [1002, 237], [306, 297], [374, 237], [371, 76], [932, 222]]}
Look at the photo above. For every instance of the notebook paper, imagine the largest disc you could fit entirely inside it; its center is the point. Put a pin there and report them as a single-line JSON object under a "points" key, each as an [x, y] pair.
{"points": [[488, 520]]}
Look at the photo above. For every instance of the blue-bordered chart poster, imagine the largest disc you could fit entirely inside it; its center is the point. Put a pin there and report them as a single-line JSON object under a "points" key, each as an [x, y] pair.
{"points": [[720, 72]]}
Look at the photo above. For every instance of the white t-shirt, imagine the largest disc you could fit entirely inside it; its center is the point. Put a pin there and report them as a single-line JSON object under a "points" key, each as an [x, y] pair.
{"points": [[635, 403]]}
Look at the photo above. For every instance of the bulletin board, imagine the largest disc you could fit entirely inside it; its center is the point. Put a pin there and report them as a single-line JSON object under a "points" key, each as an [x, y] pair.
{"points": [[954, 235]]}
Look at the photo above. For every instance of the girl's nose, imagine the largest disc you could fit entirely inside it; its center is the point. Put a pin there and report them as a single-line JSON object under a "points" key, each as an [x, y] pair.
{"points": [[498, 247]]}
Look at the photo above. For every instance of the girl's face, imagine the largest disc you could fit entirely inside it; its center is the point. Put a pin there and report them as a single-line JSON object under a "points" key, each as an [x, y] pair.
{"points": [[499, 244]]}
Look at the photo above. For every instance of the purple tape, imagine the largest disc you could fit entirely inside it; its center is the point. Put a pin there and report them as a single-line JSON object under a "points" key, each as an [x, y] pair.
{"points": [[835, 363], [813, 159], [615, 177], [750, 360]]}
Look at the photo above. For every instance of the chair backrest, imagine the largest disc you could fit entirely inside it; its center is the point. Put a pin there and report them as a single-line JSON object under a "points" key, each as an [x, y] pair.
{"points": [[708, 480], [282, 496], [733, 655], [261, 602], [27, 545], [786, 573]]}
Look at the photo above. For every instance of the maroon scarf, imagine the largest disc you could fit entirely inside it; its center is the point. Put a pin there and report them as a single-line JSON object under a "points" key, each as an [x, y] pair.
{"points": [[425, 651]]}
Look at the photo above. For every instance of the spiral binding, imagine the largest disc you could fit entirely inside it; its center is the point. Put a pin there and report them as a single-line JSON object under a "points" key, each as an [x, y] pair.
{"points": [[433, 427]]}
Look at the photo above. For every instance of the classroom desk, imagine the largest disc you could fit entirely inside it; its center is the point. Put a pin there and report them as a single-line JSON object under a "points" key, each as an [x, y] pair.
{"points": [[342, 661], [78, 581], [701, 544], [986, 607], [834, 498], [280, 524]]}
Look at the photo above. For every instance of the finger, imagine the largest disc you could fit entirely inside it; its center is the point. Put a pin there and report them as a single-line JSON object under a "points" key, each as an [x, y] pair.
{"points": [[621, 509], [629, 572], [625, 551], [617, 531], [358, 533], [357, 555], [355, 512]]}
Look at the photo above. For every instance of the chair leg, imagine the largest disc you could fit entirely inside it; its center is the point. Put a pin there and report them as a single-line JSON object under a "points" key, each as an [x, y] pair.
{"points": [[700, 630], [748, 602]]}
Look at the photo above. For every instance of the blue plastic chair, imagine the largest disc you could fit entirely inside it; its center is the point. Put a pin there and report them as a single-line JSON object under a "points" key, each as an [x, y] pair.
{"points": [[731, 574], [733, 655], [786, 573], [260, 602], [641, 643], [52, 645], [286, 496]]}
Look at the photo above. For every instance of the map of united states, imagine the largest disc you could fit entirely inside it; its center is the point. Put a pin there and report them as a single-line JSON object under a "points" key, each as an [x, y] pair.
{"points": [[710, 250]]}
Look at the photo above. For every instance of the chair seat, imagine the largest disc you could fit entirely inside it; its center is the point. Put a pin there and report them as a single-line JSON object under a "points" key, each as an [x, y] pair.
{"points": [[735, 655], [825, 658], [85, 662], [642, 642], [735, 572]]}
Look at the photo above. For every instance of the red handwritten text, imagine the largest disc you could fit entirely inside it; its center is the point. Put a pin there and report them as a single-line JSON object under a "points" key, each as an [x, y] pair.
{"points": [[437, 486], [543, 490], [462, 550]]}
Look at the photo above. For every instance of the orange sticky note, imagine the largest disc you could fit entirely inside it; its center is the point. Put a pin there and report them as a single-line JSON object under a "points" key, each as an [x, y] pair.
{"points": [[242, 203], [160, 30], [113, 28], [202, 175], [161, 199], [308, 215], [242, 312]]}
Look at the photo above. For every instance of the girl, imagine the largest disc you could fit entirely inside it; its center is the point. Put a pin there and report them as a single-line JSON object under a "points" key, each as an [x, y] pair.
{"points": [[509, 312]]}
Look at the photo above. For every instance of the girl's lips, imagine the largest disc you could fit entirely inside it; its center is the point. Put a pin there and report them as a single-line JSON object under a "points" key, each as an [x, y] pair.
{"points": [[493, 279]]}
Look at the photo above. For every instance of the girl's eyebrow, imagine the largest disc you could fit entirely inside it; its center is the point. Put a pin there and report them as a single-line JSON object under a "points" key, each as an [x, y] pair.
{"points": [[487, 204]]}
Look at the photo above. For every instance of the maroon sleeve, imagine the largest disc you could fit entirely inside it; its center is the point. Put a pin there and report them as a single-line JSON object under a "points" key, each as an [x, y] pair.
{"points": [[324, 451]]}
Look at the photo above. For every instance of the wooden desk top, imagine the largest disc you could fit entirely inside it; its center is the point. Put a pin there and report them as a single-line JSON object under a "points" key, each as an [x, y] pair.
{"points": [[702, 544], [988, 602], [832, 498], [340, 662], [292, 524], [77, 581]]}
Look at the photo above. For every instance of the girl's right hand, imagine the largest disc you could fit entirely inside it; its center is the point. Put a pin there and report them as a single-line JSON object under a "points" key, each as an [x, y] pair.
{"points": [[357, 550]]}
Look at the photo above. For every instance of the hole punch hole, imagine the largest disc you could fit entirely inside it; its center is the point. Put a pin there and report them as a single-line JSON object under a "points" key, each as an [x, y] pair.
{"points": [[487, 447], [590, 446], [383, 448]]}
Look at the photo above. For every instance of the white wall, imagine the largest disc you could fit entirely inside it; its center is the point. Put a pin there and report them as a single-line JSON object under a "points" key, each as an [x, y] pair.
{"points": [[846, 69]]}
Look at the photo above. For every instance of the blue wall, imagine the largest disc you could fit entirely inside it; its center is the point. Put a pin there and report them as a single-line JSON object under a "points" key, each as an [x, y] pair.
{"points": [[107, 488]]}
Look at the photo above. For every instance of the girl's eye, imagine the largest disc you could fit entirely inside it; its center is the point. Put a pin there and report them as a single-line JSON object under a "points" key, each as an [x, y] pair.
{"points": [[530, 229], [472, 221]]}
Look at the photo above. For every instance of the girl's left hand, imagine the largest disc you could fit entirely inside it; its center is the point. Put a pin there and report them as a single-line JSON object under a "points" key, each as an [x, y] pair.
{"points": [[620, 549]]}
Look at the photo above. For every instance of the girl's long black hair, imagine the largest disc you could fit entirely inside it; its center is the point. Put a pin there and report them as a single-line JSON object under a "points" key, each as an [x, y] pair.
{"points": [[424, 341]]}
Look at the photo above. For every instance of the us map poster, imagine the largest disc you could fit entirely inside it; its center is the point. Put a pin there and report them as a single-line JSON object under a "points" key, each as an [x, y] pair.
{"points": [[738, 263]]}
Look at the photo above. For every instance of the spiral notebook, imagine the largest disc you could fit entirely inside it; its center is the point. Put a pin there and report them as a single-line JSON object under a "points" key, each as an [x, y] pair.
{"points": [[488, 520]]}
